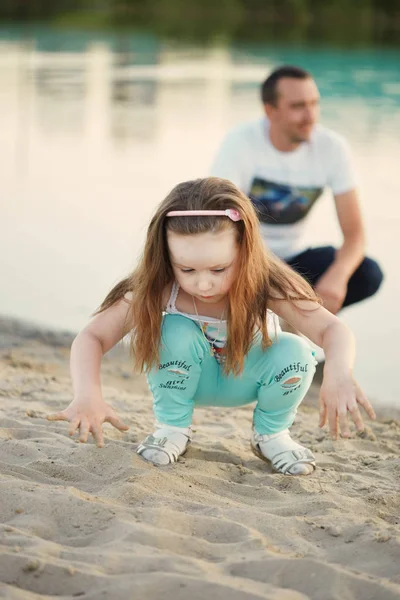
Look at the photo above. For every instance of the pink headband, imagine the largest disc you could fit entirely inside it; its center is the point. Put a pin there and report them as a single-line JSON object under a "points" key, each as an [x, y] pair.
{"points": [[232, 213]]}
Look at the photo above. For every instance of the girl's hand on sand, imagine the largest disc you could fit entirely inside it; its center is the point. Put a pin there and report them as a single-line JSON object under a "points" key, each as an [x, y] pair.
{"points": [[337, 398], [87, 416]]}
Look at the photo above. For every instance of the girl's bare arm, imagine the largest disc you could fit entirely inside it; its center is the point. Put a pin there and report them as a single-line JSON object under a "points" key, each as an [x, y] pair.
{"points": [[103, 332], [340, 393], [88, 411], [321, 327]]}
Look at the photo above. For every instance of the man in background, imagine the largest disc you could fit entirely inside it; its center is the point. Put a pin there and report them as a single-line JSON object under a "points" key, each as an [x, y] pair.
{"points": [[283, 161]]}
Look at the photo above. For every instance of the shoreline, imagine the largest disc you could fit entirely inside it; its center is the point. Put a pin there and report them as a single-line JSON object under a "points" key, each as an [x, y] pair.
{"points": [[79, 520]]}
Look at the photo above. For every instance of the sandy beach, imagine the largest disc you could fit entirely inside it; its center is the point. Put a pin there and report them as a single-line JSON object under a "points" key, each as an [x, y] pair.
{"points": [[78, 521]]}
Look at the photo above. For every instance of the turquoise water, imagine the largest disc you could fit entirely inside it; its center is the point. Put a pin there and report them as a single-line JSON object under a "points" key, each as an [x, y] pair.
{"points": [[95, 130]]}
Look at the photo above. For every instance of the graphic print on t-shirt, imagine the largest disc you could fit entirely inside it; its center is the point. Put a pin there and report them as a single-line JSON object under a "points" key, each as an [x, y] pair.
{"points": [[279, 204]]}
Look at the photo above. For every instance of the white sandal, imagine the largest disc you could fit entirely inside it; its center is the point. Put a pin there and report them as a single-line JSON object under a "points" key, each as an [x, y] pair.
{"points": [[165, 445], [285, 455]]}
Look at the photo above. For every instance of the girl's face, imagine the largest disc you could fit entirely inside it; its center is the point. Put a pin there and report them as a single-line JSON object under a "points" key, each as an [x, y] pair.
{"points": [[204, 264]]}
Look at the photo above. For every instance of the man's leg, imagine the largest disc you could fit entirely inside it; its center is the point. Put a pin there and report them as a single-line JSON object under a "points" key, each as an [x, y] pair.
{"points": [[364, 282]]}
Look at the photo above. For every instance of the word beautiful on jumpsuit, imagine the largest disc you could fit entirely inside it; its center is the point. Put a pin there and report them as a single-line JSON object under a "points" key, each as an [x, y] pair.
{"points": [[296, 367]]}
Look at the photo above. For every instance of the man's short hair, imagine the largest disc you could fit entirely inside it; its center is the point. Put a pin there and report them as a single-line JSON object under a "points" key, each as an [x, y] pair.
{"points": [[269, 89]]}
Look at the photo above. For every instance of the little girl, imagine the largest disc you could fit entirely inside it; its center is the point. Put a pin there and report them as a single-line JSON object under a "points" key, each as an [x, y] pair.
{"points": [[200, 308]]}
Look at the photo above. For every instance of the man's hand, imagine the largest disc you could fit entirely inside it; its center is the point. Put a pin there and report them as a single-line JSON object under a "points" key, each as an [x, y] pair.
{"points": [[332, 289]]}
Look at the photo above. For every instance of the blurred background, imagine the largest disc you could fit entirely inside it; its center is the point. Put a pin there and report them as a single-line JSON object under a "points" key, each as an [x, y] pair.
{"points": [[106, 105]]}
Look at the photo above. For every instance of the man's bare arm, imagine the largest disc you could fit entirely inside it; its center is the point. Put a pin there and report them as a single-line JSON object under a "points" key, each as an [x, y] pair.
{"points": [[332, 286], [350, 255]]}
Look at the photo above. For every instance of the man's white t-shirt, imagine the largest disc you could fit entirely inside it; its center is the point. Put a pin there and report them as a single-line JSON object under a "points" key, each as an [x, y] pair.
{"points": [[284, 186]]}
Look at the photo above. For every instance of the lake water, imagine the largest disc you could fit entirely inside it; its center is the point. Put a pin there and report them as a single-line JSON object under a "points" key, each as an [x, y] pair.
{"points": [[95, 130]]}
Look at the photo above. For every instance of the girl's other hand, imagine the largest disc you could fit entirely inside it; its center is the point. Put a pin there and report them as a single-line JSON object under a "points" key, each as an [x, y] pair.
{"points": [[87, 416], [337, 398]]}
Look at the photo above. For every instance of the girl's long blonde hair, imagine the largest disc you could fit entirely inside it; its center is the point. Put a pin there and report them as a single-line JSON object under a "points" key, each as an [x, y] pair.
{"points": [[260, 276]]}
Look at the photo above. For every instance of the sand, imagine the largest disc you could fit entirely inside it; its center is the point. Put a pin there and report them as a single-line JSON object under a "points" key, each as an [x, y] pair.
{"points": [[78, 521]]}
